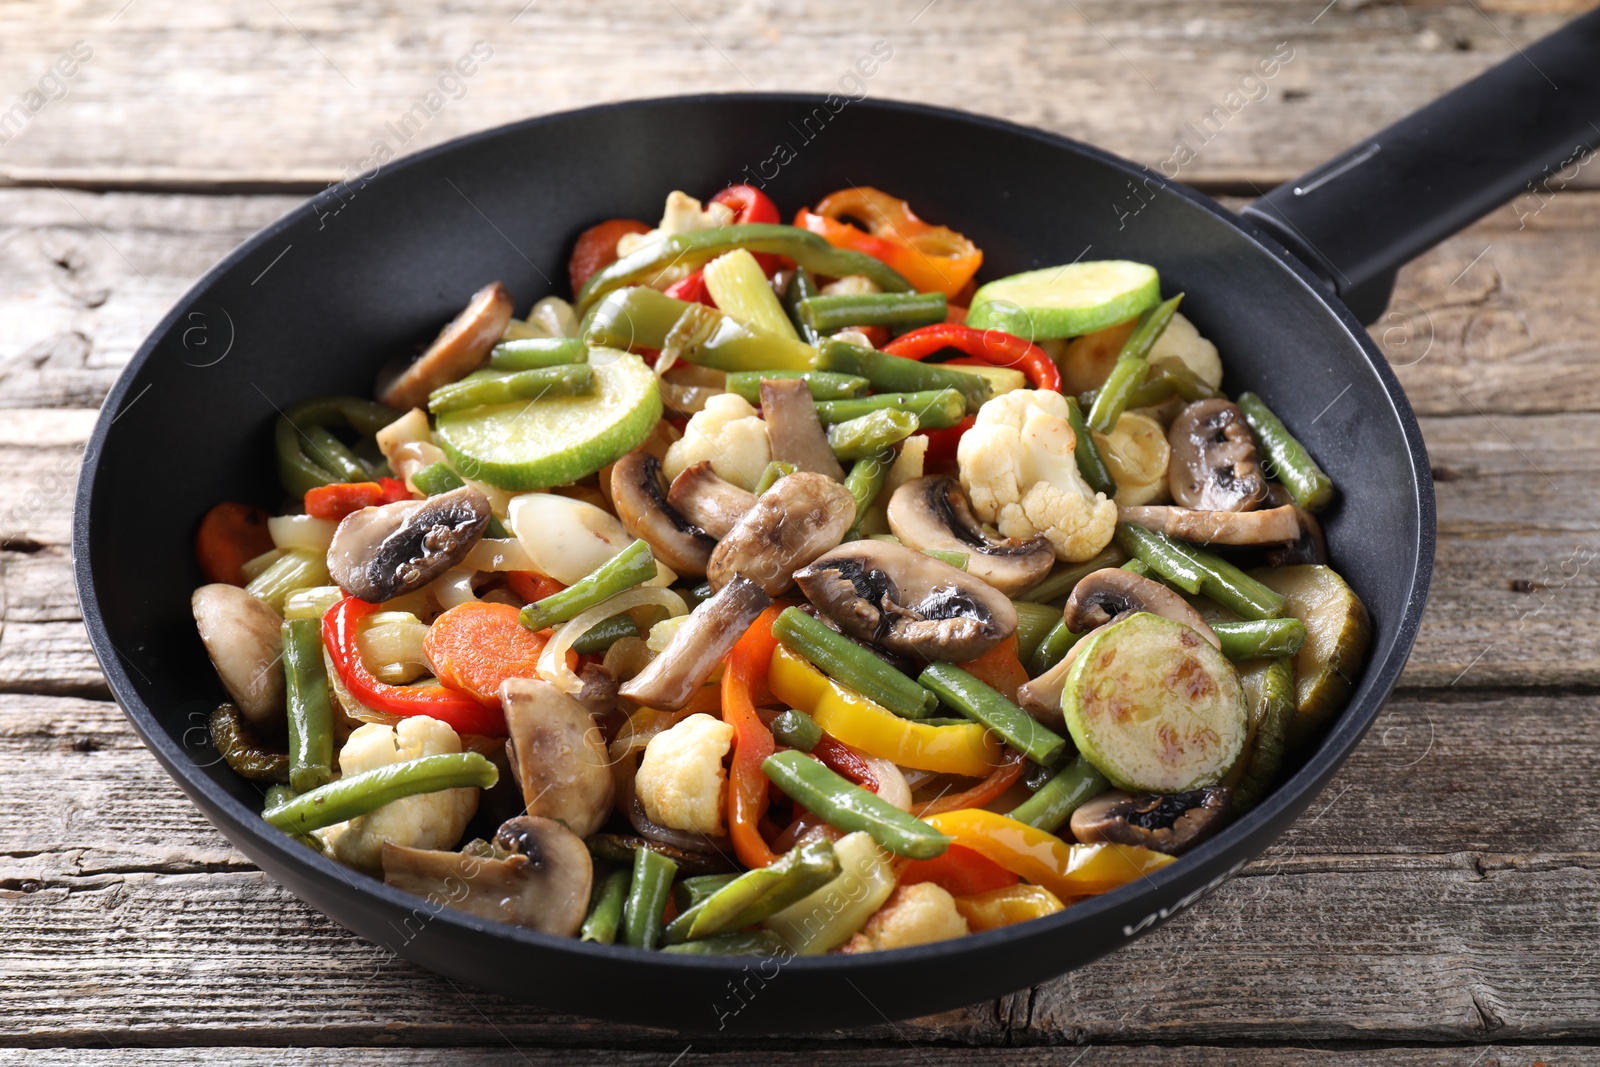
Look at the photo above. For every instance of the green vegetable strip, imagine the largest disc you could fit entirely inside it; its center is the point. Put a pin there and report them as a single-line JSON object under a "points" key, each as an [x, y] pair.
{"points": [[691, 891], [1142, 569], [757, 894], [534, 353], [801, 287], [1272, 734], [632, 566], [1194, 570], [299, 470], [1311, 488], [981, 703], [1090, 463], [956, 559], [936, 409], [256, 566], [576, 379], [872, 433], [825, 314], [774, 471], [696, 595], [1034, 623], [1128, 373], [1260, 638], [438, 478], [360, 793], [605, 633], [847, 806], [647, 898], [296, 569], [242, 750], [640, 317], [897, 374], [1060, 582], [851, 665], [865, 481], [310, 713], [1053, 649], [605, 910], [1053, 804], [278, 794], [334, 455], [1163, 555], [742, 943], [824, 385], [796, 729]]}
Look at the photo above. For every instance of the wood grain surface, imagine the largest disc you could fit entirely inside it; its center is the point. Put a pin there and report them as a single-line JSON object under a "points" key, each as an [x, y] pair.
{"points": [[1440, 904]]}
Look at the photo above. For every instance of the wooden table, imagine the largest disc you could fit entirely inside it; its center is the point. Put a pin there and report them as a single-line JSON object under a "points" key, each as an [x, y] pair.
{"points": [[1439, 903]]}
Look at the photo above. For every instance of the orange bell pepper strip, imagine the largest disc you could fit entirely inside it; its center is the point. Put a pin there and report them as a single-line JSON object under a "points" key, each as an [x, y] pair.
{"points": [[934, 259], [960, 872], [1044, 859], [531, 586], [1000, 670], [1006, 906], [744, 677], [1003, 777]]}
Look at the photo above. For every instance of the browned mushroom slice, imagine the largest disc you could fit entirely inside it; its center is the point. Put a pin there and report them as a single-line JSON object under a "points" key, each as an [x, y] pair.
{"points": [[544, 884], [244, 638], [1103, 596], [708, 501], [932, 514], [458, 350], [559, 755], [1171, 823], [1273, 526], [1041, 697], [1311, 547], [672, 678], [1214, 465], [795, 431], [380, 553], [639, 494], [791, 524]]}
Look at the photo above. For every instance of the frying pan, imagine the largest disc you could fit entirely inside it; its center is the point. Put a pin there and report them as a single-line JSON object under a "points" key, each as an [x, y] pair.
{"points": [[320, 299]]}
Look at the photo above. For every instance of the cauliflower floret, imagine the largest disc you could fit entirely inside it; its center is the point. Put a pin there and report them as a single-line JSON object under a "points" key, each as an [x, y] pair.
{"points": [[681, 780], [428, 820], [1020, 472], [682, 214], [731, 435], [851, 285], [917, 914]]}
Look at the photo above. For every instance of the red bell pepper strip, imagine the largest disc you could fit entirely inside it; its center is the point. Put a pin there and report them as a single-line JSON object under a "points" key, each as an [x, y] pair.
{"points": [[458, 710], [334, 502], [749, 204], [995, 347], [597, 248], [844, 760], [744, 680], [960, 871], [942, 444], [1003, 777], [693, 289]]}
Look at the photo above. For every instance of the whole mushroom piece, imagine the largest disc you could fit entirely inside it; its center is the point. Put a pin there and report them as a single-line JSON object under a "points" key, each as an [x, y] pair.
{"points": [[639, 494], [383, 552], [932, 514], [1214, 465], [244, 638], [558, 754], [791, 524], [1170, 823]]}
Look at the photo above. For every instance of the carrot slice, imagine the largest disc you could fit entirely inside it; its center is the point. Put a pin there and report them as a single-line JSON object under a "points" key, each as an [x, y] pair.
{"points": [[474, 647], [334, 502], [230, 535], [597, 248]]}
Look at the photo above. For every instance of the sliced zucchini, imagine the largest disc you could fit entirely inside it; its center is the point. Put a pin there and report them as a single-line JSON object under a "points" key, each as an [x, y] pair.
{"points": [[1154, 706], [1269, 694], [1066, 301], [1338, 631], [534, 444]]}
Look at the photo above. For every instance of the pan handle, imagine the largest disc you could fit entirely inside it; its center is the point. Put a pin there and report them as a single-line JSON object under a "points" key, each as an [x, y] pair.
{"points": [[1528, 124]]}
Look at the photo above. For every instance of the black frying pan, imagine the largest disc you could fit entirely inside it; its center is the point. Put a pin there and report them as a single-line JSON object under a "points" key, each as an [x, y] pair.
{"points": [[316, 302]]}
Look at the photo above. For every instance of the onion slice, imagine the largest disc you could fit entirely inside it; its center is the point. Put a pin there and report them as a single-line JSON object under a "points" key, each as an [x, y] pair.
{"points": [[553, 660]]}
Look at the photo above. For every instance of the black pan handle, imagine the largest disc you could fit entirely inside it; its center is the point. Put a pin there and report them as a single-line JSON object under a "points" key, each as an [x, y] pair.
{"points": [[1525, 125]]}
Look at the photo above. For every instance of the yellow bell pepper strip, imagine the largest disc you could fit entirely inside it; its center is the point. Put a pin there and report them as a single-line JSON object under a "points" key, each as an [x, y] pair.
{"points": [[934, 259], [1007, 906], [966, 749], [1044, 859]]}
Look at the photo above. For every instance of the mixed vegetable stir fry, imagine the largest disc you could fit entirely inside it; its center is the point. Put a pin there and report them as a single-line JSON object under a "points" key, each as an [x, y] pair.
{"points": [[785, 591]]}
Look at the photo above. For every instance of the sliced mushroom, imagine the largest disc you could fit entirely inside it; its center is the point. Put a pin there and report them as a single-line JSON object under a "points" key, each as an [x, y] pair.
{"points": [[1272, 526], [1311, 547], [791, 524], [1105, 595], [1041, 697], [1214, 464], [1170, 823], [795, 431], [458, 349], [244, 638], [599, 691], [544, 884], [707, 500], [908, 602], [672, 678], [639, 494], [380, 553], [558, 753], [933, 514]]}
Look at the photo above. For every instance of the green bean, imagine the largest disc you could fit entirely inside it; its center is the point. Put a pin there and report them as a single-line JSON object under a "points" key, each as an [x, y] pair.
{"points": [[534, 353], [1054, 802], [843, 804], [897, 374], [851, 665], [1060, 582], [334, 455], [1128, 373], [1194, 570], [1142, 569], [310, 713], [870, 434], [438, 478], [605, 909], [1167, 378], [637, 317], [1260, 638], [647, 898], [825, 314], [605, 633], [797, 730], [1034, 623], [632, 566], [1311, 488], [1053, 649], [824, 385], [981, 703], [801, 288], [278, 794], [299, 568], [300, 471], [1272, 733], [358, 794], [483, 388], [865, 481], [757, 894], [691, 891], [1090, 463], [937, 409], [1163, 555], [740, 943], [697, 595], [242, 750], [772, 473]]}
